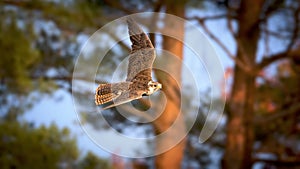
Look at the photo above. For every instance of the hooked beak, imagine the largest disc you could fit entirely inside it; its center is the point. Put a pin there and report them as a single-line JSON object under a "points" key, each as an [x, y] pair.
{"points": [[160, 86]]}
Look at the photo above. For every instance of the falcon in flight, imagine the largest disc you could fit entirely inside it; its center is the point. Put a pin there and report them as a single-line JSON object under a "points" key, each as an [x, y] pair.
{"points": [[139, 80]]}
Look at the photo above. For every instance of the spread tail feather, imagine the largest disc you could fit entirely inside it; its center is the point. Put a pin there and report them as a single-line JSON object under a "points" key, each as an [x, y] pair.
{"points": [[104, 94], [108, 92]]}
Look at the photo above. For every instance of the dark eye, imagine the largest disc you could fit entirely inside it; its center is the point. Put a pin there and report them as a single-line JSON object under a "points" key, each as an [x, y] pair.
{"points": [[155, 85]]}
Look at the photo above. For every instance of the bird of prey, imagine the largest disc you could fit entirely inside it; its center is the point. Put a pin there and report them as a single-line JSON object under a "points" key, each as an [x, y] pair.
{"points": [[139, 80]]}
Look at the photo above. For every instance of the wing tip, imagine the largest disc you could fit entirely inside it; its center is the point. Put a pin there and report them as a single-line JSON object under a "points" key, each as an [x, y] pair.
{"points": [[133, 27], [129, 20]]}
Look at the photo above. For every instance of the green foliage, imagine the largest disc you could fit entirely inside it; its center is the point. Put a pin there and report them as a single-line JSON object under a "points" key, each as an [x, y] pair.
{"points": [[17, 56], [27, 55], [90, 161], [69, 15], [23, 146], [26, 147]]}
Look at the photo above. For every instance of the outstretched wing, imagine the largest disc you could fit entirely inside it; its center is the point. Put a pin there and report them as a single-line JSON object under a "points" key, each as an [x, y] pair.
{"points": [[118, 93], [142, 53]]}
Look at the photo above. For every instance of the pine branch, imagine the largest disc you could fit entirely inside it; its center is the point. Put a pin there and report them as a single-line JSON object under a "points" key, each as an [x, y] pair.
{"points": [[285, 112], [288, 53], [266, 61], [118, 5], [291, 161], [201, 21]]}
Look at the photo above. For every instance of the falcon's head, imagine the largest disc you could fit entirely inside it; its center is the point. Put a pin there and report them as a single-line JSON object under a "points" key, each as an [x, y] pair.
{"points": [[153, 87]]}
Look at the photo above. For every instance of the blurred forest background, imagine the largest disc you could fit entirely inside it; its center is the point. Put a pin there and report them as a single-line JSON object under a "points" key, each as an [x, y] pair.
{"points": [[258, 42]]}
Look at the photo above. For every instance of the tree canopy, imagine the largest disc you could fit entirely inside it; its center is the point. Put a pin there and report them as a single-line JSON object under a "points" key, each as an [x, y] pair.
{"points": [[40, 40]]}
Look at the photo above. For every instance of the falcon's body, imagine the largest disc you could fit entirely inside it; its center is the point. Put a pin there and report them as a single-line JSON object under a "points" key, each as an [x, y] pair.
{"points": [[139, 80]]}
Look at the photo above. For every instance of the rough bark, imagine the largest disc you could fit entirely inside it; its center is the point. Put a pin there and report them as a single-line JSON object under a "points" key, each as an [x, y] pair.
{"points": [[173, 157], [240, 120]]}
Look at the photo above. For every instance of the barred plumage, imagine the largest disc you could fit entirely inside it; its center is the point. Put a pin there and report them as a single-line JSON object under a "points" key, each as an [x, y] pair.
{"points": [[104, 94]]}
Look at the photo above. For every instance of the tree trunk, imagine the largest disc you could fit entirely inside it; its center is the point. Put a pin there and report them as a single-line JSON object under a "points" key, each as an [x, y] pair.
{"points": [[171, 88], [240, 133]]}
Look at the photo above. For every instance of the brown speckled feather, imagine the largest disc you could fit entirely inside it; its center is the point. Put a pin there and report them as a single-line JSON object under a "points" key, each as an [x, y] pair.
{"points": [[108, 92], [104, 94], [142, 54]]}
